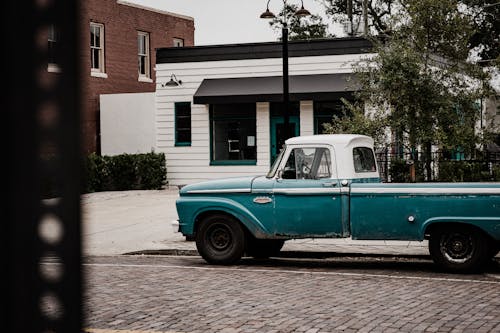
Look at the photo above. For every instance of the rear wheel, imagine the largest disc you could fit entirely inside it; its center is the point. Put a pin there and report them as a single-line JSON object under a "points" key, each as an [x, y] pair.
{"points": [[459, 248], [264, 248], [220, 239]]}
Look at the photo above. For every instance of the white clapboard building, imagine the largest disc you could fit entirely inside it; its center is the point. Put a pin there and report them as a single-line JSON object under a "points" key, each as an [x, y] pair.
{"points": [[219, 109]]}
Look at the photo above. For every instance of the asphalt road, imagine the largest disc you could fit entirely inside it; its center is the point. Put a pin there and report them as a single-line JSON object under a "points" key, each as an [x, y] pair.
{"points": [[138, 294]]}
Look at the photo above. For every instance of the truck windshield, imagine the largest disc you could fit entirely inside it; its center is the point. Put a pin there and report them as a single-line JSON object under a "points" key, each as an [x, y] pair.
{"points": [[276, 163]]}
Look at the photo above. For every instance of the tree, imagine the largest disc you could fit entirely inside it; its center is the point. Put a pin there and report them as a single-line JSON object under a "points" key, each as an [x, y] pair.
{"points": [[311, 27], [486, 20], [420, 83], [379, 13], [484, 16]]}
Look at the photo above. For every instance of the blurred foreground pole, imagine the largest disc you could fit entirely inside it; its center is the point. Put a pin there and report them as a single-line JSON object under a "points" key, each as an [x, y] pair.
{"points": [[40, 132]]}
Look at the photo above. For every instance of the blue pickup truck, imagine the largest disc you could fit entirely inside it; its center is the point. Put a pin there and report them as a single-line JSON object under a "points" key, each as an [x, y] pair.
{"points": [[326, 186]]}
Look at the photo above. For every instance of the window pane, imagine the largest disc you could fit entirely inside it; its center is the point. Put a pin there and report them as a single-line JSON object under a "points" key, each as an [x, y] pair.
{"points": [[364, 160], [308, 163], [98, 38], [92, 37], [142, 65], [184, 135], [182, 123], [141, 41], [233, 132], [95, 59]]}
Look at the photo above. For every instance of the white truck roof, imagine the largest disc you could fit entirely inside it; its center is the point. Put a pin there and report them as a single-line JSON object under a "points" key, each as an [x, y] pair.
{"points": [[331, 139], [343, 145]]}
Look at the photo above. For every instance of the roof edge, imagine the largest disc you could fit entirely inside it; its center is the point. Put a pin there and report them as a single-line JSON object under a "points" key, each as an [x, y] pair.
{"points": [[152, 9]]}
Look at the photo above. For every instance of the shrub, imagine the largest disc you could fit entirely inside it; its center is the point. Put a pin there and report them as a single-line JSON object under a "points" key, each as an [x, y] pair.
{"points": [[125, 172], [463, 171]]}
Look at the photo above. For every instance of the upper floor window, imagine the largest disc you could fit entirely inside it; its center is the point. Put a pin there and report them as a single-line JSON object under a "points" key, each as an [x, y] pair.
{"points": [[53, 39], [143, 55], [96, 48], [178, 42]]}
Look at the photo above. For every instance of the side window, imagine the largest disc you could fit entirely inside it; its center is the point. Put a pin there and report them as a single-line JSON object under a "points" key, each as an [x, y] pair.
{"points": [[363, 158], [308, 163]]}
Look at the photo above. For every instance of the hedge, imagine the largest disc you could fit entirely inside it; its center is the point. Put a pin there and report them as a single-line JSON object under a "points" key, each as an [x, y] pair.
{"points": [[125, 172]]}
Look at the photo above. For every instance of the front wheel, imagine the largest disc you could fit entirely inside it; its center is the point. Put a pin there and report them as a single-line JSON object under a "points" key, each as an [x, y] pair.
{"points": [[220, 239], [458, 249]]}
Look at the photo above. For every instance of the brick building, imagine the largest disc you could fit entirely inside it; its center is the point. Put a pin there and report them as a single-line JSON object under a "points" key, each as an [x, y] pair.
{"points": [[118, 42]]}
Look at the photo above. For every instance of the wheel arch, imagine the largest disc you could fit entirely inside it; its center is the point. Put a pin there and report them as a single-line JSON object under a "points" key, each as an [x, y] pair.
{"points": [[249, 223], [441, 222]]}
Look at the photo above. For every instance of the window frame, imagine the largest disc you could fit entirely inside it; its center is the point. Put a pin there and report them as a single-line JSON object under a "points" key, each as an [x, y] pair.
{"points": [[147, 55], [211, 143], [101, 49], [178, 39], [176, 128], [315, 162], [372, 155]]}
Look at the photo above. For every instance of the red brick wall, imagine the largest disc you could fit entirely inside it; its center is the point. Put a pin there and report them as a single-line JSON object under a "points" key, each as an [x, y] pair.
{"points": [[121, 23]]}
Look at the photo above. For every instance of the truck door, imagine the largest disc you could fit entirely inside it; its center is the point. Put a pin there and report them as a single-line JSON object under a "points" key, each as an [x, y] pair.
{"points": [[307, 194]]}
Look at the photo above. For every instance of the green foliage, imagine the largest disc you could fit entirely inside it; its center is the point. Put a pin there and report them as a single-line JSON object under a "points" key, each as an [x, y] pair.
{"points": [[354, 121], [305, 28], [421, 81], [379, 13], [125, 172], [399, 171], [464, 171]]}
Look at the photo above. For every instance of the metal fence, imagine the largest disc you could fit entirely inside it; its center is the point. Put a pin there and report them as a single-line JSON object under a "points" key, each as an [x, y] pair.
{"points": [[445, 166]]}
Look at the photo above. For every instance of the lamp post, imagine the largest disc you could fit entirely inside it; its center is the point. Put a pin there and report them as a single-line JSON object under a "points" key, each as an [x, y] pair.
{"points": [[284, 40]]}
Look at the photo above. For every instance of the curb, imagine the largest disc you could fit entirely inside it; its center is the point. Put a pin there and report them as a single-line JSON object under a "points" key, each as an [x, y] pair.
{"points": [[290, 254]]}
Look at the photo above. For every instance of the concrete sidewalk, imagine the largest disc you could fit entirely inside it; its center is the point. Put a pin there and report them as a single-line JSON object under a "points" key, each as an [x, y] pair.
{"points": [[135, 221]]}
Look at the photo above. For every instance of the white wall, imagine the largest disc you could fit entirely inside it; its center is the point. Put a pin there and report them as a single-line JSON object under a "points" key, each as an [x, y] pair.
{"points": [[186, 165], [127, 123]]}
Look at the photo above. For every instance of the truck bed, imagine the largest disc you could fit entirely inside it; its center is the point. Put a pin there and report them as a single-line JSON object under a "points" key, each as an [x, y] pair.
{"points": [[404, 211]]}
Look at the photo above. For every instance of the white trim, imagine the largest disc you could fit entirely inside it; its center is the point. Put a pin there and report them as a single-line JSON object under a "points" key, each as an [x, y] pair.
{"points": [[144, 79], [313, 190], [98, 74], [230, 190], [151, 9], [437, 190]]}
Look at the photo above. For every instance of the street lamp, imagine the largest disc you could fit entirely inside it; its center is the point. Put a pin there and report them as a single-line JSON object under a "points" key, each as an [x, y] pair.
{"points": [[284, 40]]}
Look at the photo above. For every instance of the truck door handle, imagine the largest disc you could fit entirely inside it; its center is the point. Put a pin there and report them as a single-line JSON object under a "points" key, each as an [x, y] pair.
{"points": [[329, 184]]}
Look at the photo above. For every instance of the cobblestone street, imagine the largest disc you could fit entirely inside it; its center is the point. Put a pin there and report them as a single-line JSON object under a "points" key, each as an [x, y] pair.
{"points": [[183, 294]]}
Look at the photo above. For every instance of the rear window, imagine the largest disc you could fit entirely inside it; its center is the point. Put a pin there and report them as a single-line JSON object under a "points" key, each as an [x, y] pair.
{"points": [[364, 160]]}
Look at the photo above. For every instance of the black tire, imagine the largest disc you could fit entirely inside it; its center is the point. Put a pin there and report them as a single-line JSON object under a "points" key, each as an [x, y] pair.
{"points": [[264, 248], [493, 249], [459, 248], [220, 239]]}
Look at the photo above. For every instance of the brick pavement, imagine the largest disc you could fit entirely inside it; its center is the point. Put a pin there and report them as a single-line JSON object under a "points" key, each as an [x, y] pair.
{"points": [[184, 295], [131, 221]]}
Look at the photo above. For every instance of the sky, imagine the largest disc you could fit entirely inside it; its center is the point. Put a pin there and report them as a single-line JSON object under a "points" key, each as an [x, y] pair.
{"points": [[229, 21]]}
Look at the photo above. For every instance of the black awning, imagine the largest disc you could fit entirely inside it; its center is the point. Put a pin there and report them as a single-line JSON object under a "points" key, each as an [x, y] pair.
{"points": [[319, 87]]}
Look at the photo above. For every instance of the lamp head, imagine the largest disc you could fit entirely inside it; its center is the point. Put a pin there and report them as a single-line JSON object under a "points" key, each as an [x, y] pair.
{"points": [[173, 82], [302, 12], [267, 14]]}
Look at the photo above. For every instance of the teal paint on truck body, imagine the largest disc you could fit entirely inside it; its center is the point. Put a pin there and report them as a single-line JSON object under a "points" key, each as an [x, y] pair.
{"points": [[315, 191]]}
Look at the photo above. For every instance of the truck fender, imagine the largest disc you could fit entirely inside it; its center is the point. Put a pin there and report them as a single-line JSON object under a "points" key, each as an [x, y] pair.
{"points": [[489, 225], [228, 206]]}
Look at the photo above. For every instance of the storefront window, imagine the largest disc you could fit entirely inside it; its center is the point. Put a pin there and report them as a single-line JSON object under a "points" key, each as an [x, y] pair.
{"points": [[324, 113], [233, 129]]}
